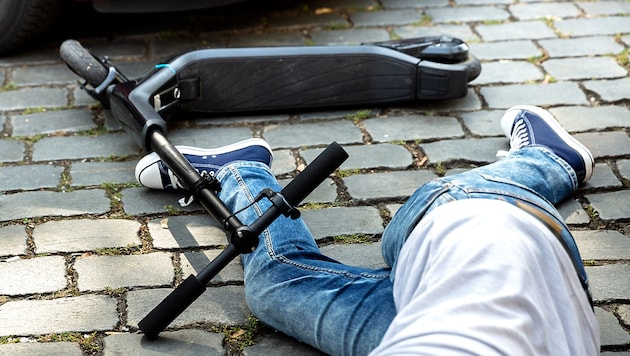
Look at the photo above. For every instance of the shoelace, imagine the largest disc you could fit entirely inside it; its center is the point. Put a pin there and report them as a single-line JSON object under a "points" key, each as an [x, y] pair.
{"points": [[518, 139], [174, 180], [520, 136], [187, 200]]}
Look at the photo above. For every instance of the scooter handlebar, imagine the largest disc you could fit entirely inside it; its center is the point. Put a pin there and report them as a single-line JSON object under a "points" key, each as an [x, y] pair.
{"points": [[314, 174], [171, 307]]}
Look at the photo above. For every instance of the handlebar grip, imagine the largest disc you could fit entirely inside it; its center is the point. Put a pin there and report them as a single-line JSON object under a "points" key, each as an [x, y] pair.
{"points": [[314, 174], [171, 307]]}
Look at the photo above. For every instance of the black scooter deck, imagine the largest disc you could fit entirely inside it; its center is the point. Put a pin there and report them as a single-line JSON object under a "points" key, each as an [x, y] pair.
{"points": [[218, 81], [246, 80]]}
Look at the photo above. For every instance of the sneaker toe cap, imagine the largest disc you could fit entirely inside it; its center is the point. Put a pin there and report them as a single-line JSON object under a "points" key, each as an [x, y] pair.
{"points": [[149, 175]]}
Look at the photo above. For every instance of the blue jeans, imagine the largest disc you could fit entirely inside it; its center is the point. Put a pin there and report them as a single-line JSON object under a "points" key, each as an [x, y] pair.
{"points": [[345, 310]]}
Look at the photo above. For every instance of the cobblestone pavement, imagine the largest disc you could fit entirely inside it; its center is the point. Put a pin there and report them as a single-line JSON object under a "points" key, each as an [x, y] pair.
{"points": [[85, 252]]}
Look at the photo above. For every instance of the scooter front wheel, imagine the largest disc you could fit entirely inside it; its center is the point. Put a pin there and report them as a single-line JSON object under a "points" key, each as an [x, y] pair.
{"points": [[83, 63]]}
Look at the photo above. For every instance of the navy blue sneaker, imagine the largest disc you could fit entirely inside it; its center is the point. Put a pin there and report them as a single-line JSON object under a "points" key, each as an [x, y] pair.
{"points": [[152, 173], [530, 125]]}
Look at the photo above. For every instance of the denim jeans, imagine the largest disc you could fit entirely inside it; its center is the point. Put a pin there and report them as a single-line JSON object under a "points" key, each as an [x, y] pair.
{"points": [[345, 310]]}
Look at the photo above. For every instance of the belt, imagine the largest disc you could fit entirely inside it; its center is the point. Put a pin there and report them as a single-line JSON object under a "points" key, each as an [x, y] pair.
{"points": [[561, 232]]}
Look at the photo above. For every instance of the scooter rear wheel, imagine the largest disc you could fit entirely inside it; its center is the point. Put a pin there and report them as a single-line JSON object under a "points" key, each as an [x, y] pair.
{"points": [[473, 67], [83, 63]]}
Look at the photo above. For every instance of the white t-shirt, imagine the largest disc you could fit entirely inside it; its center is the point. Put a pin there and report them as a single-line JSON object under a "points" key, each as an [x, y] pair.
{"points": [[483, 277]]}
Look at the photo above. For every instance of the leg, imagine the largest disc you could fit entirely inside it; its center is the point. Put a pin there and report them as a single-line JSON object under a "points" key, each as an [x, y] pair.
{"points": [[292, 287], [289, 284], [531, 174], [545, 166]]}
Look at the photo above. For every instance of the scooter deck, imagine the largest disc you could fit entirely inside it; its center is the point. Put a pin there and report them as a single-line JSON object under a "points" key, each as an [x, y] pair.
{"points": [[289, 78]]}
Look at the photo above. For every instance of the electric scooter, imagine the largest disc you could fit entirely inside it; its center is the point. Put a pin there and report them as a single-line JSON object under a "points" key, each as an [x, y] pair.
{"points": [[255, 80]]}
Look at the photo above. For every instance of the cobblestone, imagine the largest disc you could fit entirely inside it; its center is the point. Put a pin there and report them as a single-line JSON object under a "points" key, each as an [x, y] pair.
{"points": [[185, 231], [609, 282], [30, 177], [612, 334], [396, 4], [520, 49], [532, 30], [609, 90], [606, 144], [183, 342], [517, 72], [605, 7], [586, 46], [529, 11], [33, 317], [609, 25], [311, 134], [561, 93], [414, 127], [13, 240], [385, 18], [33, 98], [602, 244], [343, 221], [11, 151], [29, 276], [362, 255], [45, 74], [624, 168], [102, 272], [85, 235], [583, 68], [349, 36], [581, 118], [52, 122], [603, 177], [192, 263], [219, 306], [610, 206], [467, 14], [392, 185], [64, 148], [476, 150], [48, 348], [36, 204], [209, 137], [86, 253], [139, 201], [459, 31], [278, 345], [483, 123], [372, 156], [95, 173]]}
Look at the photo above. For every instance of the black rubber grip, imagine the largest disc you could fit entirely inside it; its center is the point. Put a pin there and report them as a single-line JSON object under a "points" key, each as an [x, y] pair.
{"points": [[314, 174], [171, 307]]}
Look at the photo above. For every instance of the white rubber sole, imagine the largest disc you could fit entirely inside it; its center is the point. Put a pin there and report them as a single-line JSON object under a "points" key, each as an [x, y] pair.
{"points": [[189, 150]]}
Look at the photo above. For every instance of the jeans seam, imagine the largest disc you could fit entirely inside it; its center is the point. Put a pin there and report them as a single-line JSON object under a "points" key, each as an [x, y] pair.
{"points": [[564, 164], [290, 262], [250, 197], [232, 169]]}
